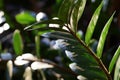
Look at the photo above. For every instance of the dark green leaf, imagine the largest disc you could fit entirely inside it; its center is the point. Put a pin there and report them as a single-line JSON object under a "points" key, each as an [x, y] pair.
{"points": [[92, 24], [65, 10], [114, 59], [117, 70], [25, 18], [103, 37], [77, 13], [17, 42]]}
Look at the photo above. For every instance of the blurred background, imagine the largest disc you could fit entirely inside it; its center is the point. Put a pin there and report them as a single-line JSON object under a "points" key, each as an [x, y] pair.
{"points": [[43, 10]]}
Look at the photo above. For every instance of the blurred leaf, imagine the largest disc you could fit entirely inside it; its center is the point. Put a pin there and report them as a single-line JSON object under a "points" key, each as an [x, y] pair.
{"points": [[25, 18], [77, 13], [117, 70], [28, 74], [114, 59], [17, 42], [37, 43], [103, 37], [92, 24], [65, 10], [1, 4]]}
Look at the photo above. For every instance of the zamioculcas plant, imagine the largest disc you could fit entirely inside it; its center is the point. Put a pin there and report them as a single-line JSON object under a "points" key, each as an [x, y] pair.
{"points": [[86, 62]]}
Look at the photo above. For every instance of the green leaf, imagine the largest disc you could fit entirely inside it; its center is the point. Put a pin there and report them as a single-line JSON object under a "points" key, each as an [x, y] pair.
{"points": [[117, 70], [103, 37], [56, 21], [37, 43], [65, 10], [77, 13], [17, 42], [92, 24], [25, 18], [114, 59]]}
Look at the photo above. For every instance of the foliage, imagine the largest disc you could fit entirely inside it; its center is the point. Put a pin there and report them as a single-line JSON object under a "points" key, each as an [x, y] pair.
{"points": [[78, 50], [83, 53]]}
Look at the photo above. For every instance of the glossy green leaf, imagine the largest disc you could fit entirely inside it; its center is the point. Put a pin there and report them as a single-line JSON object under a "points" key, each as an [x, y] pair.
{"points": [[103, 37], [17, 42], [25, 18], [65, 10], [77, 13], [37, 43], [92, 24], [117, 70], [114, 59]]}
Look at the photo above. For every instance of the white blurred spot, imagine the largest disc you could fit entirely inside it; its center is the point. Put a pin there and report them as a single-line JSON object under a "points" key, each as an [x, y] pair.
{"points": [[28, 74], [2, 19], [1, 13], [20, 62], [10, 68], [1, 30], [93, 1], [41, 16], [29, 56], [65, 28], [54, 25], [70, 54], [40, 65], [80, 77], [6, 26], [24, 59], [74, 67]]}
